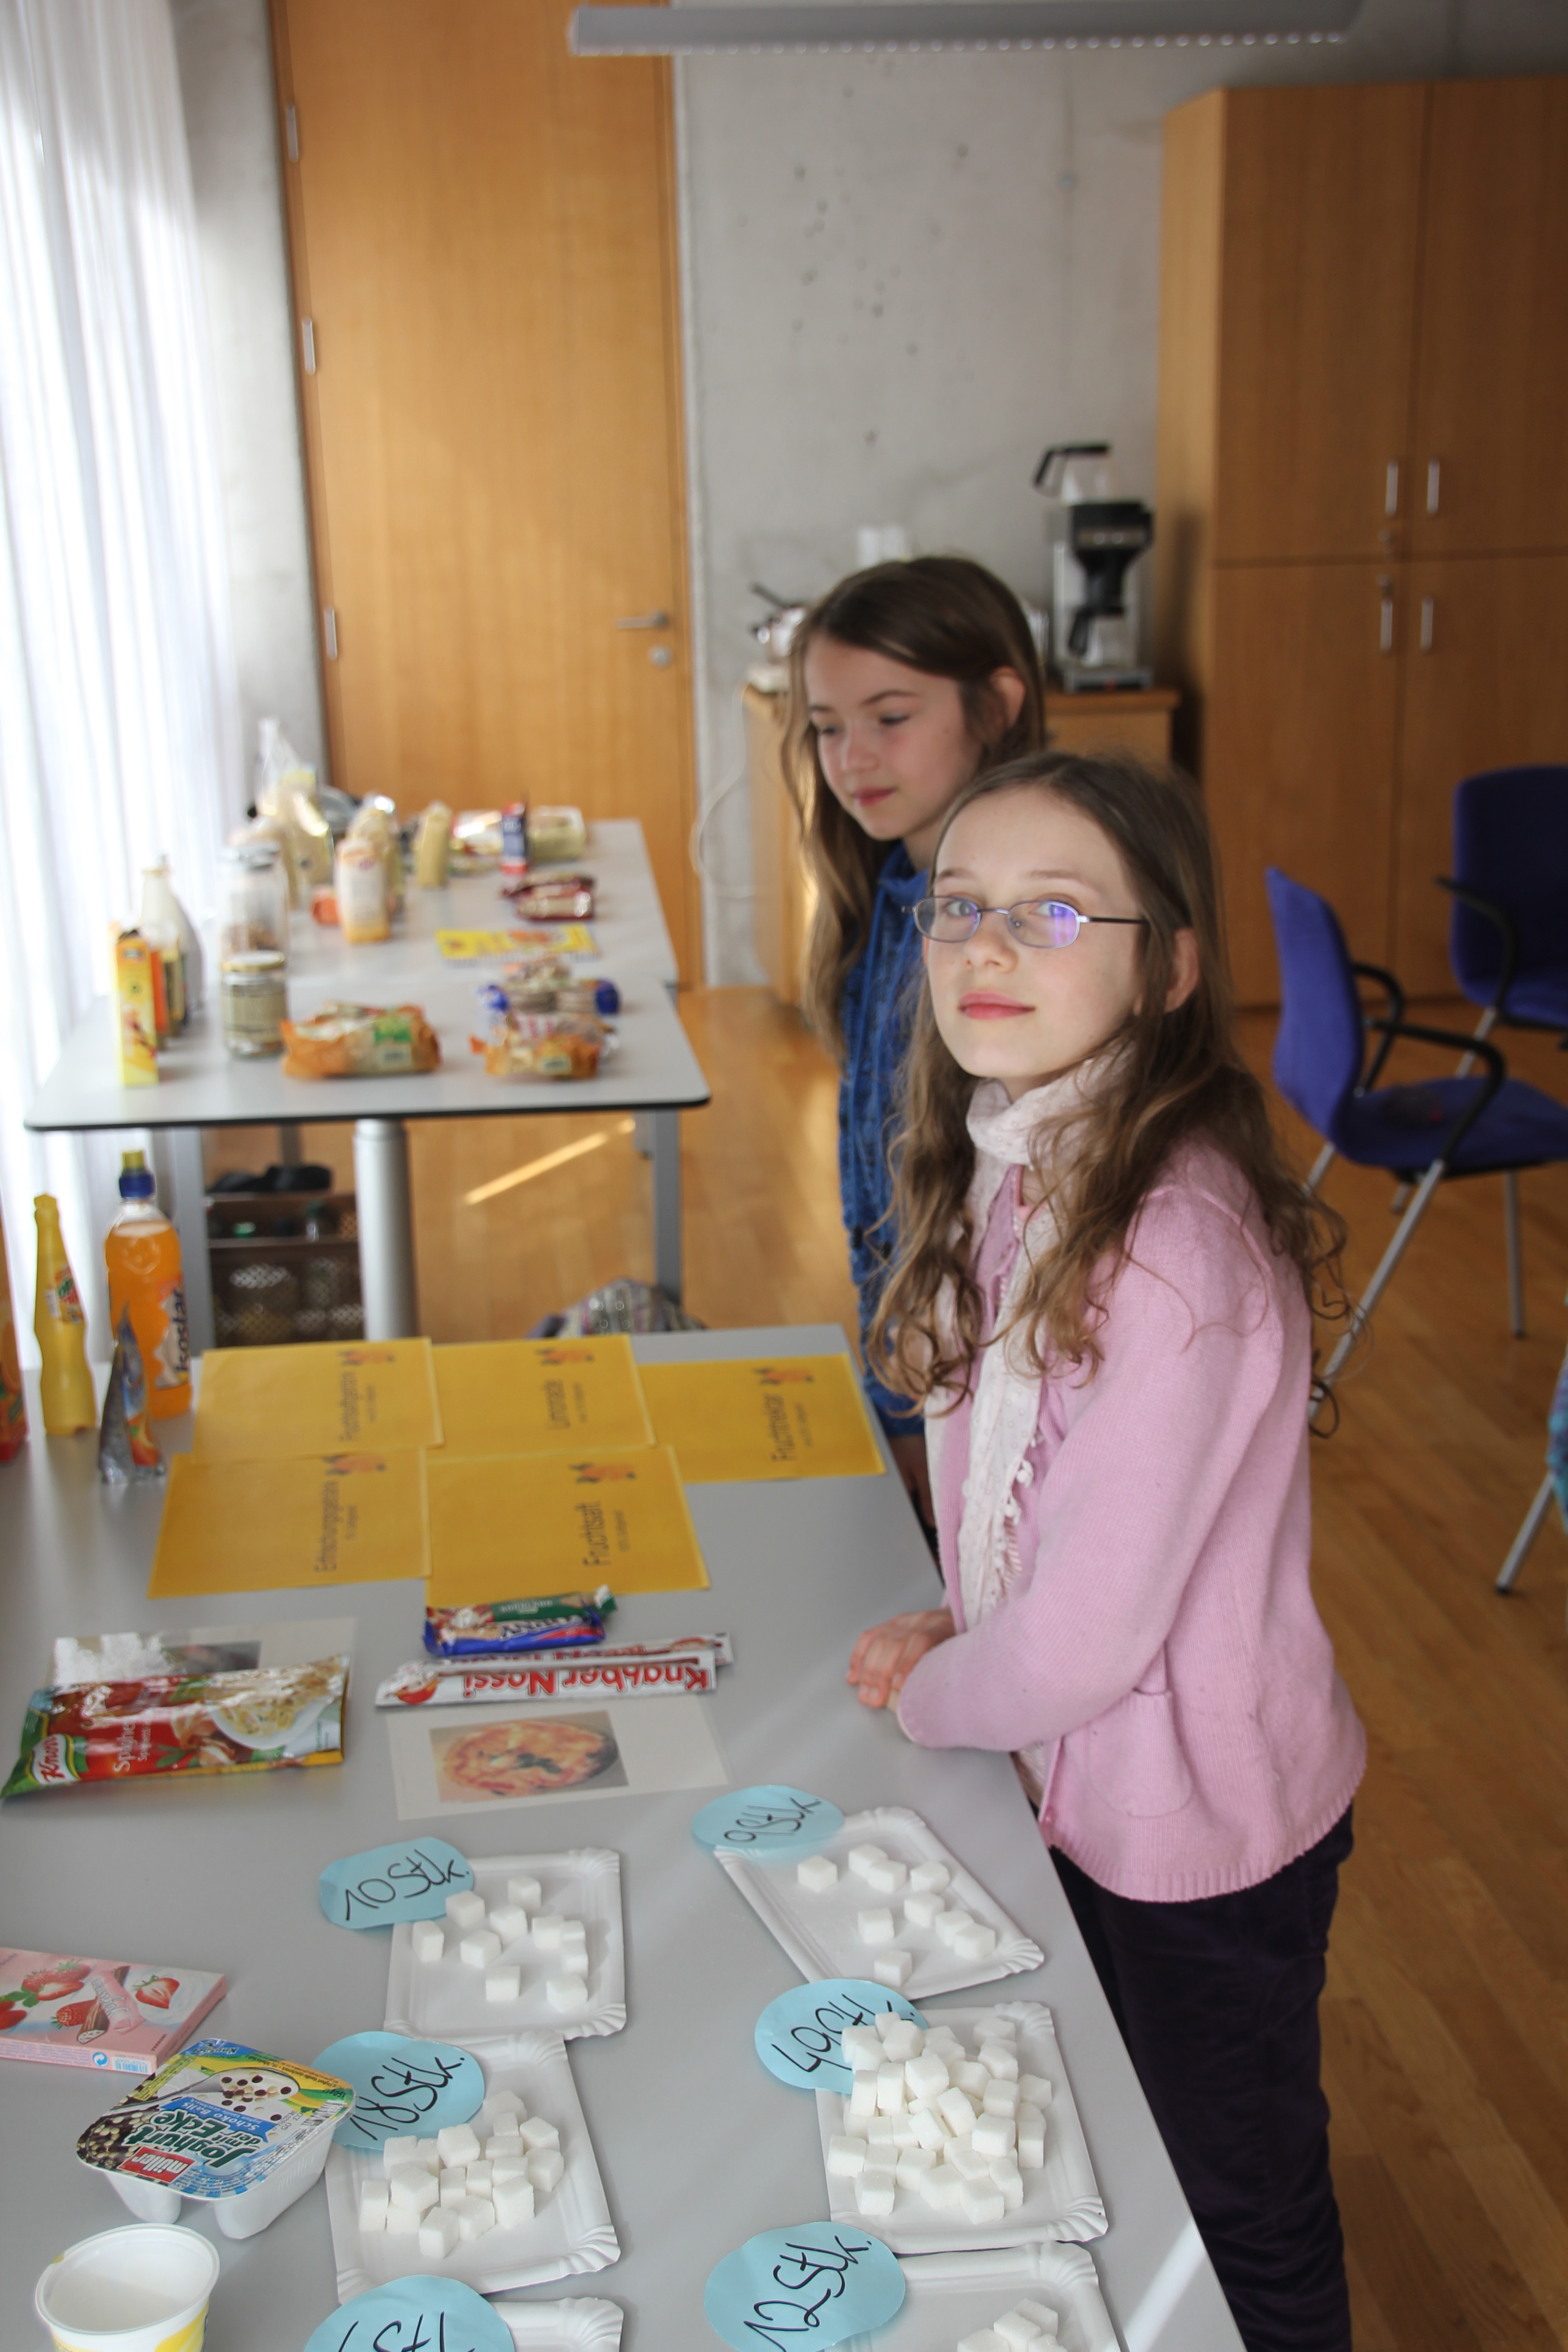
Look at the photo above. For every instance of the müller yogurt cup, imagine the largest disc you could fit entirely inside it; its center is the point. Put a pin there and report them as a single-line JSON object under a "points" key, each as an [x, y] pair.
{"points": [[142, 2290], [232, 2127]]}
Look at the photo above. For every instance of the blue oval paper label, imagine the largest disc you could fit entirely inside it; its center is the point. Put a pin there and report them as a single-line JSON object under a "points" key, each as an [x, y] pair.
{"points": [[402, 2086], [410, 1880], [414, 2315], [763, 1821], [814, 2285], [798, 2036]]}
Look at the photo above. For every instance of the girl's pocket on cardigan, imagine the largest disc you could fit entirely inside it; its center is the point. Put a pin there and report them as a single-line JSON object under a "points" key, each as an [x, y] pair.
{"points": [[1135, 1758]]}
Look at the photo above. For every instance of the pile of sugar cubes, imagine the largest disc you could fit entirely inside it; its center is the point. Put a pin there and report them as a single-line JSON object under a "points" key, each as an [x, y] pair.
{"points": [[924, 2115], [471, 2178], [483, 1938], [1028, 2327], [923, 1890]]}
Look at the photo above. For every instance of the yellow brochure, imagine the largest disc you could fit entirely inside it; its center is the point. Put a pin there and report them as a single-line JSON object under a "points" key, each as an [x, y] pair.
{"points": [[774, 1417], [261, 1403], [475, 947], [539, 1396], [251, 1527], [512, 1526]]}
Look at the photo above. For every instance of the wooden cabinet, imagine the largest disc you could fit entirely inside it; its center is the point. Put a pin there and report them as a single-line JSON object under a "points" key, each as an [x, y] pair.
{"points": [[1129, 722], [1363, 336]]}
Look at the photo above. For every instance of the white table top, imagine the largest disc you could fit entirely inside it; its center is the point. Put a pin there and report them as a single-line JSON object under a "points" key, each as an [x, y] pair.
{"points": [[222, 1874], [200, 1085]]}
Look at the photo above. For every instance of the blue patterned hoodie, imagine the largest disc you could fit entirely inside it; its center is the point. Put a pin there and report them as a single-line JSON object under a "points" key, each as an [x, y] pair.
{"points": [[876, 1008]]}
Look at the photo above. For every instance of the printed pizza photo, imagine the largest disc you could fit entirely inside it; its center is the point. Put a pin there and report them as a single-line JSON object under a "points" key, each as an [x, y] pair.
{"points": [[541, 1758]]}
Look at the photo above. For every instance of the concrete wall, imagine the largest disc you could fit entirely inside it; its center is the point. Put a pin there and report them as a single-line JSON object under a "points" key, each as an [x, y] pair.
{"points": [[903, 276], [226, 78]]}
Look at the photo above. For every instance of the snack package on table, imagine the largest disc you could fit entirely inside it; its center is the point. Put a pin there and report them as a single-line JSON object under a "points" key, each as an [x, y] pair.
{"points": [[557, 835], [123, 2017], [626, 1670], [361, 1041], [497, 1628], [547, 983], [544, 1046], [552, 897], [255, 1720]]}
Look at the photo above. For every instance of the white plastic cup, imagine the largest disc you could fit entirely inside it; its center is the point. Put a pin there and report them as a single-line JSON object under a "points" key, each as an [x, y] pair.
{"points": [[144, 2289]]}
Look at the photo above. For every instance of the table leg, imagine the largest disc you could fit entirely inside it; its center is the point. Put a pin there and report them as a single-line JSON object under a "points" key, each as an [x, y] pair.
{"points": [[183, 1195], [666, 1173], [385, 1229]]}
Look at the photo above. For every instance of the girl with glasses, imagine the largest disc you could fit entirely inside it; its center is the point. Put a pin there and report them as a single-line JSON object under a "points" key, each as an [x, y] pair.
{"points": [[906, 682], [1103, 1299]]}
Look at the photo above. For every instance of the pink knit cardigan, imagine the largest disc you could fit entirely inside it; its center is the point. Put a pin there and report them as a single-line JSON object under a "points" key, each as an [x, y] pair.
{"points": [[1152, 1632]]}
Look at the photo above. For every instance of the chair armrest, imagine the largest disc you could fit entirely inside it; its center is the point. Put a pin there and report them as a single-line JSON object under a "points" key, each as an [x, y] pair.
{"points": [[1500, 921], [1390, 983], [1483, 1049]]}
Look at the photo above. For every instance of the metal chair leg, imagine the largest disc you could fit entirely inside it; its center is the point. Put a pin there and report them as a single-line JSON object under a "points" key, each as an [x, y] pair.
{"points": [[1391, 1256], [1515, 1256], [1484, 1028], [1319, 1168], [1525, 1537]]}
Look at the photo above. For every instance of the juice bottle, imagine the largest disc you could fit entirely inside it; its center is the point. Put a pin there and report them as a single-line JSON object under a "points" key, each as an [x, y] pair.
{"points": [[142, 1252], [65, 1387], [13, 1401]]}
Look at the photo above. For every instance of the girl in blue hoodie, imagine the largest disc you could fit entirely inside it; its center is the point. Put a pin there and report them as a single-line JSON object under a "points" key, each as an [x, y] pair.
{"points": [[906, 682]]}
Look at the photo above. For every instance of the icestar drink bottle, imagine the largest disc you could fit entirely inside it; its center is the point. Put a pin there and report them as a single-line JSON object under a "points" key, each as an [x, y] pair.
{"points": [[142, 1252], [65, 1387], [13, 1401]]}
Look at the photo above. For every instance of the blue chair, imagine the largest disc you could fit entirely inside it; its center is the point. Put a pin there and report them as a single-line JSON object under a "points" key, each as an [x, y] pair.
{"points": [[1422, 1134], [1507, 937]]}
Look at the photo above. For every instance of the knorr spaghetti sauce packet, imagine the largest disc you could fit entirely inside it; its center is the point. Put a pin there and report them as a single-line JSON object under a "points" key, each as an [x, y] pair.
{"points": [[258, 1719]]}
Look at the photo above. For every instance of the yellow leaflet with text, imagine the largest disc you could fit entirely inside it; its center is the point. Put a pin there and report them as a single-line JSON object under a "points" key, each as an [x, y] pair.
{"points": [[762, 1417], [272, 1404], [476, 947], [539, 1396], [509, 1526], [251, 1527]]}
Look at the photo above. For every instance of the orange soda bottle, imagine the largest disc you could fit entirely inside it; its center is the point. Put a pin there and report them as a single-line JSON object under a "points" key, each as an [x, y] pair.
{"points": [[65, 1387], [146, 1273]]}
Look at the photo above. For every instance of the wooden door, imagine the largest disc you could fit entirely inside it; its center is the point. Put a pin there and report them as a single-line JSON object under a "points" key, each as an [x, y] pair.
{"points": [[483, 240], [1322, 204], [1493, 350], [1484, 687], [1298, 751]]}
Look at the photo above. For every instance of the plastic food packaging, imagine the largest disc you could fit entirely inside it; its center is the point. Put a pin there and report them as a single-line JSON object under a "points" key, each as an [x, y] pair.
{"points": [[60, 1326], [361, 1041], [134, 963], [551, 899], [514, 838], [543, 1045], [432, 843], [375, 821], [129, 2290], [243, 2131], [557, 1620], [628, 1670], [286, 795], [364, 910], [13, 1398], [125, 2017], [258, 1719], [557, 836], [127, 1454]]}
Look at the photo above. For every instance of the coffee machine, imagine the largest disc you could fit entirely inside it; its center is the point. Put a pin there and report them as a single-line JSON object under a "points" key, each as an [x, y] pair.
{"points": [[1094, 539]]}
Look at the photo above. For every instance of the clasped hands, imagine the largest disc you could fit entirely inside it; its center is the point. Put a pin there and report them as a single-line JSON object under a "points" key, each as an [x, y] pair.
{"points": [[887, 1655]]}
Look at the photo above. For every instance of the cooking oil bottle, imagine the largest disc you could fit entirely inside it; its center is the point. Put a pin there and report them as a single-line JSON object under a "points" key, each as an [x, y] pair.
{"points": [[65, 1387], [142, 1252]]}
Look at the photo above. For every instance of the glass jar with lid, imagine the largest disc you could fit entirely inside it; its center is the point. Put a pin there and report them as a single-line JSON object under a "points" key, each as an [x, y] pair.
{"points": [[254, 995], [253, 900]]}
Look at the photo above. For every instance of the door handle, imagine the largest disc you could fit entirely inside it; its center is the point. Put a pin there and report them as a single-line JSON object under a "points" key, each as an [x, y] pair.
{"points": [[643, 621], [1428, 615], [1386, 620], [1434, 483], [1391, 488]]}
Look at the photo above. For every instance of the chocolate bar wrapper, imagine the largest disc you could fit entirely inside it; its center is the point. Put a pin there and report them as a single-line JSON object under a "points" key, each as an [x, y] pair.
{"points": [[494, 1628], [632, 1670]]}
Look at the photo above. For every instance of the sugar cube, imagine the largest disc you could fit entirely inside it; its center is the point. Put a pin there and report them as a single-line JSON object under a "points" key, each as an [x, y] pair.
{"points": [[374, 2196], [466, 1910], [572, 1960], [845, 2156], [890, 2089], [982, 2339], [458, 2144], [545, 2167], [862, 2046], [427, 2153], [514, 2201], [888, 1877], [573, 1930], [816, 1873], [402, 2222], [942, 2039], [863, 2094], [994, 2135], [479, 1948], [974, 1943], [438, 2233], [1043, 2318], [1017, 2331], [856, 2126], [875, 2190], [454, 2185], [927, 2126], [479, 2178], [966, 2162], [413, 2188], [930, 1877], [503, 2143], [1031, 2130], [999, 2061], [503, 2102], [903, 2039], [982, 2203], [426, 1940], [399, 2151], [923, 1910], [524, 1891], [510, 1922], [957, 2112], [508, 2167], [991, 2025], [566, 1993], [894, 1969], [547, 1931], [474, 2216], [942, 2185], [863, 1859], [1001, 2099], [876, 1926], [538, 2133], [1009, 2180], [926, 2077], [1036, 2089], [913, 2164], [502, 1984], [974, 2079], [948, 1922], [904, 2133]]}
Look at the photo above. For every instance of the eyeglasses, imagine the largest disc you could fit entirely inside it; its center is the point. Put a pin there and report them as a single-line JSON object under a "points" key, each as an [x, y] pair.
{"points": [[1038, 923]]}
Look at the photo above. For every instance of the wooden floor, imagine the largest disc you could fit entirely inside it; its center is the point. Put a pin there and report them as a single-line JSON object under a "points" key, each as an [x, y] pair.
{"points": [[1446, 2025]]}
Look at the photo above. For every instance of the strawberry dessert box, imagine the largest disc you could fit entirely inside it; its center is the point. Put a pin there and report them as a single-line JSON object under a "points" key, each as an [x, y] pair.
{"points": [[123, 2017]]}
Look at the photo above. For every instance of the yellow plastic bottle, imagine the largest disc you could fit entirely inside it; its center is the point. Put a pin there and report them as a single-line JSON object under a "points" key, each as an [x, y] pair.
{"points": [[13, 1401], [142, 1252], [65, 1388]]}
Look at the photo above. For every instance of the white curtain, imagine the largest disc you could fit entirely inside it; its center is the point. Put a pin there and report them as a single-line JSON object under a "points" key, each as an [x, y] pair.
{"points": [[120, 729]]}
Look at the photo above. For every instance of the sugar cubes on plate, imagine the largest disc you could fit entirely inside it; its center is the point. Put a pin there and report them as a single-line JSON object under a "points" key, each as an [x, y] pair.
{"points": [[1028, 2327], [923, 2118], [817, 1872], [428, 1940], [478, 2176]]}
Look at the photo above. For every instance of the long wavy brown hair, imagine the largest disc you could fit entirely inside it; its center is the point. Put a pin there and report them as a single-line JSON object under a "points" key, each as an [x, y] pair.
{"points": [[945, 615], [1178, 1075]]}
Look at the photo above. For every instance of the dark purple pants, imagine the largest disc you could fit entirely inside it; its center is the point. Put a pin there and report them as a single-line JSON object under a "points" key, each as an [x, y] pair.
{"points": [[1217, 2003]]}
